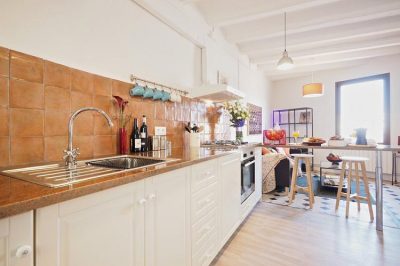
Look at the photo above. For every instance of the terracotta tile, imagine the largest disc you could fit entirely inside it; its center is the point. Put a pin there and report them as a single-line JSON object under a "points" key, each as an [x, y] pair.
{"points": [[114, 141], [169, 111], [26, 67], [121, 89], [4, 151], [148, 109], [57, 98], [57, 75], [81, 81], [150, 127], [159, 109], [101, 126], [84, 124], [102, 86], [25, 94], [103, 102], [160, 123], [4, 92], [79, 100], [103, 145], [54, 147], [4, 128], [178, 112], [26, 150], [4, 62], [26, 122], [56, 123], [85, 145]]}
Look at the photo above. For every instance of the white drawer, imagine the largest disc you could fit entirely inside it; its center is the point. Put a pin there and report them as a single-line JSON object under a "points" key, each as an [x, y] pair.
{"points": [[204, 174], [204, 201], [202, 229], [207, 251]]}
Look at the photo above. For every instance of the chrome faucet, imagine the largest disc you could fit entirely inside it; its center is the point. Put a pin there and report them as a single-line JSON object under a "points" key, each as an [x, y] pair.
{"points": [[70, 154]]}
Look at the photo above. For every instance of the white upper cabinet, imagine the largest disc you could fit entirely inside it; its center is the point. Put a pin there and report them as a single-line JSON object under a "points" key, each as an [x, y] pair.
{"points": [[16, 240]]}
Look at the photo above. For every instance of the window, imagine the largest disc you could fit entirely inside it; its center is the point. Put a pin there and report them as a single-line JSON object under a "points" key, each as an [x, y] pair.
{"points": [[364, 103]]}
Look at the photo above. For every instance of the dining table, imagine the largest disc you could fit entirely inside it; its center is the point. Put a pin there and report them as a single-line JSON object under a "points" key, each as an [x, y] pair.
{"points": [[378, 149]]}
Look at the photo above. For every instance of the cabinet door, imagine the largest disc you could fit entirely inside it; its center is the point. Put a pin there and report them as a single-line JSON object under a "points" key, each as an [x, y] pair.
{"points": [[230, 174], [168, 219], [102, 229], [16, 240]]}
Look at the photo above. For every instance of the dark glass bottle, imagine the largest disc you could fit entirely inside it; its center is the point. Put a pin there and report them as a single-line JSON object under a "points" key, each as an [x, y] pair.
{"points": [[135, 141], [143, 135]]}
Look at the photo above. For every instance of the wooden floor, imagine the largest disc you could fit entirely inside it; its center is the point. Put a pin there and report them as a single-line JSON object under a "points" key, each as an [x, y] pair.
{"points": [[280, 235]]}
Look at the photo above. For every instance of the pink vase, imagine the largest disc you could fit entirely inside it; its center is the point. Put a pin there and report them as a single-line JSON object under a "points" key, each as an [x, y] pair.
{"points": [[122, 141]]}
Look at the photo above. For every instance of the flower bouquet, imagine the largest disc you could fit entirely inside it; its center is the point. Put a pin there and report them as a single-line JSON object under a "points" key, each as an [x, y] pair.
{"points": [[123, 120], [239, 114]]}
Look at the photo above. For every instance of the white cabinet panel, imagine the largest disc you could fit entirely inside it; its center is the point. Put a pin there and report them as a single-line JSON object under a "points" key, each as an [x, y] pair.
{"points": [[16, 240], [168, 219], [101, 229], [230, 174]]}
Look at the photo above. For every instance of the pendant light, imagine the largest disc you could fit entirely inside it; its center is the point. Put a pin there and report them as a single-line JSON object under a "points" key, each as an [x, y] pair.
{"points": [[313, 89], [285, 62]]}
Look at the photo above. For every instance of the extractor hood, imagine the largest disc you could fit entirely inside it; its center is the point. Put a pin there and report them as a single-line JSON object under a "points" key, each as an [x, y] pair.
{"points": [[217, 93]]}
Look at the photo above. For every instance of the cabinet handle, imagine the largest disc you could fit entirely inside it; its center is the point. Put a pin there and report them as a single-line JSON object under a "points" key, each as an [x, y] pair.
{"points": [[23, 251], [152, 196], [142, 201]]}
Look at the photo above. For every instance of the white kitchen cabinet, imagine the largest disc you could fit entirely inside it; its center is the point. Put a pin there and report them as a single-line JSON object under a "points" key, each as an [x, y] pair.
{"points": [[230, 175], [16, 240], [167, 222], [105, 228], [142, 223]]}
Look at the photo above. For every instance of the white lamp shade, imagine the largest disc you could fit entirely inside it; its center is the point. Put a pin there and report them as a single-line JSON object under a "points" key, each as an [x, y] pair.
{"points": [[313, 90], [285, 62]]}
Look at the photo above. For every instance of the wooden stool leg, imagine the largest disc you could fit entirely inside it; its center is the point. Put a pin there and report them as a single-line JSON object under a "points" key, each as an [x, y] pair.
{"points": [[309, 183], [340, 187], [294, 179], [366, 186], [357, 185], [348, 188]]}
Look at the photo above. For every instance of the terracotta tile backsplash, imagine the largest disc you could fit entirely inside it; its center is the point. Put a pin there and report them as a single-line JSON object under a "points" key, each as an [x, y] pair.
{"points": [[37, 98]]}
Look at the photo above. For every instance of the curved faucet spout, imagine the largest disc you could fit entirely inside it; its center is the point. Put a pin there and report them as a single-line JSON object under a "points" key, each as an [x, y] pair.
{"points": [[71, 153]]}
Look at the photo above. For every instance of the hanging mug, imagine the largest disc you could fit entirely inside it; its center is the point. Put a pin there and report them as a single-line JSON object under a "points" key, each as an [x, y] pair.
{"points": [[166, 96], [158, 94], [137, 90], [148, 93]]}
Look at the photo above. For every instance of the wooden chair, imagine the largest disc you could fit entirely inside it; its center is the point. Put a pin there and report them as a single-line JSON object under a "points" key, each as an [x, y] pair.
{"points": [[358, 163], [294, 187]]}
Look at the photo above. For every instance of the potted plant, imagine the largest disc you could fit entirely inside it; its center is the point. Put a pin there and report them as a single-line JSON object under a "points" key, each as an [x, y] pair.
{"points": [[123, 120], [239, 114]]}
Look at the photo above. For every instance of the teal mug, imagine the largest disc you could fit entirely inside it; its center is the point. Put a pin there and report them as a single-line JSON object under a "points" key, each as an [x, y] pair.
{"points": [[157, 94], [148, 93], [137, 90], [166, 96]]}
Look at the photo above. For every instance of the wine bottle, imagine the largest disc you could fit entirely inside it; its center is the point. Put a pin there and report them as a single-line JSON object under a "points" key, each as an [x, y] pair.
{"points": [[143, 135], [135, 140]]}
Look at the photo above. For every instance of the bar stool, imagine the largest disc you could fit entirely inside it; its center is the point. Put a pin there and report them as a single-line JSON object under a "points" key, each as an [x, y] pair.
{"points": [[357, 162], [293, 187]]}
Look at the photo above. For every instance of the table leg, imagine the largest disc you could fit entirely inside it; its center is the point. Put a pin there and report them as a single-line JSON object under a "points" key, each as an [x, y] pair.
{"points": [[379, 191]]}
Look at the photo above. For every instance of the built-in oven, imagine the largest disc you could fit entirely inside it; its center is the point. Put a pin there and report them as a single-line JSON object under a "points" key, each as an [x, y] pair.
{"points": [[248, 173]]}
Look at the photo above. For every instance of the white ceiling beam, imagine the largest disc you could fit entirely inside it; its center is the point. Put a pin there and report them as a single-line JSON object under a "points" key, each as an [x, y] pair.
{"points": [[331, 50], [316, 42], [318, 26], [275, 12]]}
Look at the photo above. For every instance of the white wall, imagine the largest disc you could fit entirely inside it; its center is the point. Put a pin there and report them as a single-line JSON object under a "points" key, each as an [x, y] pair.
{"points": [[113, 38], [159, 40], [288, 93]]}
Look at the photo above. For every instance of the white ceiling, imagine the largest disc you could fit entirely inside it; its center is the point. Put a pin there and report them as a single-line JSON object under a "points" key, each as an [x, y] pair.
{"points": [[321, 34]]}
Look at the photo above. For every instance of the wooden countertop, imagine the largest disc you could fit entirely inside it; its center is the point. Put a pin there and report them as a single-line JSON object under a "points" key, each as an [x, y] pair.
{"points": [[17, 196]]}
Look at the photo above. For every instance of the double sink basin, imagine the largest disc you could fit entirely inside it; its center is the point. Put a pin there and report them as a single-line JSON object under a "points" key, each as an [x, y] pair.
{"points": [[58, 175]]}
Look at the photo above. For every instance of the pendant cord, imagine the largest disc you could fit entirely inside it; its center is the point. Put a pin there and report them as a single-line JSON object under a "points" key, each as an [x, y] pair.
{"points": [[285, 30]]}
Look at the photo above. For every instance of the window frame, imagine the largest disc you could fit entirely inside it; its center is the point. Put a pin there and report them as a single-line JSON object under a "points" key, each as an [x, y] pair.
{"points": [[386, 98]]}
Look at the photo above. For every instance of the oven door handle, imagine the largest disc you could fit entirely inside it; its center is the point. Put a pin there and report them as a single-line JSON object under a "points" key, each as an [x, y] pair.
{"points": [[249, 163]]}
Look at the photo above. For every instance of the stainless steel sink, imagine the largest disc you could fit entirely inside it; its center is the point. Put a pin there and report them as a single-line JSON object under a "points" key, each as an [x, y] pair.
{"points": [[58, 175]]}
